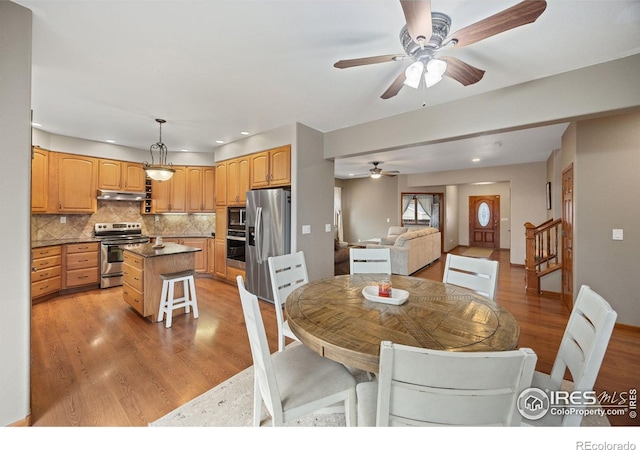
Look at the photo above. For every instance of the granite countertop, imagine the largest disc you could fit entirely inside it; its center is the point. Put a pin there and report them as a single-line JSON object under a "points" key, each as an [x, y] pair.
{"points": [[150, 251], [81, 240], [50, 242]]}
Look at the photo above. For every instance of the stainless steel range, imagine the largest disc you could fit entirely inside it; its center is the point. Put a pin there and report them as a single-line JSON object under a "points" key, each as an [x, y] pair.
{"points": [[112, 236]]}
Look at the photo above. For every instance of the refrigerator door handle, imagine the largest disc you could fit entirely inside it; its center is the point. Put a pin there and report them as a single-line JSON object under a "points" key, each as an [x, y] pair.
{"points": [[258, 231]]}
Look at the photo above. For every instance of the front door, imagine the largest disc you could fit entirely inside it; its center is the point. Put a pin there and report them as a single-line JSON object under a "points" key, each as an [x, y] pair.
{"points": [[567, 236], [484, 221]]}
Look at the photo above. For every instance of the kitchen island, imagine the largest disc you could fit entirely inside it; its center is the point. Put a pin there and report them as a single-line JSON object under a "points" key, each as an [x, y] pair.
{"points": [[142, 266]]}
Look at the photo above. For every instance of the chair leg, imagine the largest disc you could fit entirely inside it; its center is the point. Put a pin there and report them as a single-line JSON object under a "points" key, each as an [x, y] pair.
{"points": [[257, 402], [169, 305], [185, 293], [194, 300], [350, 409], [163, 301]]}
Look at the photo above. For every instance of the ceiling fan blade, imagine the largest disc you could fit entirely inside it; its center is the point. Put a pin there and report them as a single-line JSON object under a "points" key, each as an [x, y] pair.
{"points": [[346, 63], [395, 87], [390, 173], [417, 13], [462, 72], [521, 14]]}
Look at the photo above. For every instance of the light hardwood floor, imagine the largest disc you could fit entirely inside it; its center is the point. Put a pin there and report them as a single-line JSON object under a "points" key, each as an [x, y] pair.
{"points": [[97, 363]]}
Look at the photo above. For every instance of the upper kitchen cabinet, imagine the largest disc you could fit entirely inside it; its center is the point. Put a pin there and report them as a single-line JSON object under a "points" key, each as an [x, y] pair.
{"points": [[170, 196], [76, 178], [221, 183], [271, 168], [238, 181], [200, 189], [120, 176], [40, 181]]}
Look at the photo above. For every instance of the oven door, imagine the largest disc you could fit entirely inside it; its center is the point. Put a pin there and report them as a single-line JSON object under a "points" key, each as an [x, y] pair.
{"points": [[111, 257], [235, 249]]}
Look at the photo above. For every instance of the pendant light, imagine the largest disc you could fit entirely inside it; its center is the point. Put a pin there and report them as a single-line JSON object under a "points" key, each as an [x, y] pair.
{"points": [[163, 170]]}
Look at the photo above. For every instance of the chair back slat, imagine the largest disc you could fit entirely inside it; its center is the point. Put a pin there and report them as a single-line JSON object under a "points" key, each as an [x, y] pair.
{"points": [[370, 260], [477, 274], [422, 387]]}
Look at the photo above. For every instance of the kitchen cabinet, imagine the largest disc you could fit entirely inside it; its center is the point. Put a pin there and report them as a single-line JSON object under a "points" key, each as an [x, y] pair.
{"points": [[81, 264], [221, 243], [200, 257], [120, 176], [238, 181], [211, 256], [170, 196], [200, 195], [46, 271], [40, 181], [77, 182], [271, 168], [221, 183]]}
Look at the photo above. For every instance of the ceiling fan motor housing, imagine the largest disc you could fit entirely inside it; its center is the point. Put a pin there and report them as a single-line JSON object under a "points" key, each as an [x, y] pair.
{"points": [[440, 25]]}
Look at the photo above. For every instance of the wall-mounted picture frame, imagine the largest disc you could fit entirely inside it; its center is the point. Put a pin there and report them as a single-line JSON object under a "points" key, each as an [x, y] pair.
{"points": [[548, 195]]}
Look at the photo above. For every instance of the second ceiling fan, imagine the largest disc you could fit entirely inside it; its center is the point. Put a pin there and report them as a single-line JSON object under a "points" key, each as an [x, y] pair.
{"points": [[427, 32]]}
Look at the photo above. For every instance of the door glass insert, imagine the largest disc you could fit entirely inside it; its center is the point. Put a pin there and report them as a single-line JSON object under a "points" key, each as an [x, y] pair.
{"points": [[484, 214]]}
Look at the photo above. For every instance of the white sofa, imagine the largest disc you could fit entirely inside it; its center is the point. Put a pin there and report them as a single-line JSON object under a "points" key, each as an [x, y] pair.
{"points": [[412, 250]]}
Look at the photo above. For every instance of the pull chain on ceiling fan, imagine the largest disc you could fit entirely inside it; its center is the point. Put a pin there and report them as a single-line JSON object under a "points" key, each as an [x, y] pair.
{"points": [[426, 33]]}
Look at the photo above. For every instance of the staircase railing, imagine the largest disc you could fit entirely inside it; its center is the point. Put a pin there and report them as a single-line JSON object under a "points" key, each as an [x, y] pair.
{"points": [[542, 252]]}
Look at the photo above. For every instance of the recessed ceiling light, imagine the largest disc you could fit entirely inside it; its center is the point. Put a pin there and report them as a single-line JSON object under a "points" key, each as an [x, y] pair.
{"points": [[245, 133], [110, 141], [475, 159], [36, 124], [184, 150], [352, 174], [219, 142]]}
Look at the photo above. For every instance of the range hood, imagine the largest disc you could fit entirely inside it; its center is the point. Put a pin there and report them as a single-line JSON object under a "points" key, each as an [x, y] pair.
{"points": [[104, 194]]}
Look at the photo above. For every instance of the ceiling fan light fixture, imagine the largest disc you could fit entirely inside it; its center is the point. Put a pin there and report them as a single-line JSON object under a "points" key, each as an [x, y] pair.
{"points": [[437, 67], [413, 74], [376, 175], [162, 171]]}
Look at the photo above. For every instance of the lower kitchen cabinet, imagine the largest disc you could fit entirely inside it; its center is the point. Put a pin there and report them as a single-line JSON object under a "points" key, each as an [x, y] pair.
{"points": [[81, 262], [133, 283], [202, 263], [46, 271]]}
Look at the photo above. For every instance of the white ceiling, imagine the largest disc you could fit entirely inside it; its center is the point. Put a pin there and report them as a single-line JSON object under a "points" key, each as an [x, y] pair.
{"points": [[106, 69]]}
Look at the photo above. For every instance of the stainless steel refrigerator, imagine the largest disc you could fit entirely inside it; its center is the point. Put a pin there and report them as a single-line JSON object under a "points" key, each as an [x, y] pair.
{"points": [[268, 227]]}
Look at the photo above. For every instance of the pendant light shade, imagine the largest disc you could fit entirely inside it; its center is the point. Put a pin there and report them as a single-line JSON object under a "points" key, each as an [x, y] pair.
{"points": [[162, 171]]}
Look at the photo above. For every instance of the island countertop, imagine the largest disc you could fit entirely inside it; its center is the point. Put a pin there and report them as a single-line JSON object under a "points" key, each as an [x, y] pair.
{"points": [[149, 251]]}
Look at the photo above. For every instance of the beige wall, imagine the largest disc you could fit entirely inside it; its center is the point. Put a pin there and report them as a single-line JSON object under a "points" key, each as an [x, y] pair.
{"points": [[606, 187], [528, 203], [15, 202], [366, 206]]}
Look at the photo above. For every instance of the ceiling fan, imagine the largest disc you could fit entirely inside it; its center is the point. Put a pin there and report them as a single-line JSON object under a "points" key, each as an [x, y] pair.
{"points": [[376, 172], [426, 33]]}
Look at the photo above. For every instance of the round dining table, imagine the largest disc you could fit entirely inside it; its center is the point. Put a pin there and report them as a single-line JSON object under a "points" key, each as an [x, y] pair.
{"points": [[333, 318]]}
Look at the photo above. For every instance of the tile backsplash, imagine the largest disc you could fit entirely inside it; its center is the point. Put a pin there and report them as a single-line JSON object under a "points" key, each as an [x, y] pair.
{"points": [[49, 226]]}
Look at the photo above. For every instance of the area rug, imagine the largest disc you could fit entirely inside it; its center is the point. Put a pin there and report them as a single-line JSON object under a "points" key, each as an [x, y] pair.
{"points": [[477, 252], [230, 404]]}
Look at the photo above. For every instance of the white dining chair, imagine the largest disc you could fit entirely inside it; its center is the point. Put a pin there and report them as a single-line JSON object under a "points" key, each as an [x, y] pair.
{"points": [[581, 351], [477, 274], [296, 381], [370, 260], [287, 272], [424, 387]]}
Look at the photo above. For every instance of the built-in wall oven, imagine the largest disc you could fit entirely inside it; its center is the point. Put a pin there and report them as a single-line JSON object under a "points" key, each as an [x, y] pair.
{"points": [[236, 236], [112, 237]]}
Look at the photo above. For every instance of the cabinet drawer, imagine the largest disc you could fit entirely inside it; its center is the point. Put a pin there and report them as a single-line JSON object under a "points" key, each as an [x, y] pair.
{"points": [[81, 260], [45, 287], [51, 261], [45, 274], [81, 277], [81, 248], [133, 260], [133, 297], [45, 252], [133, 276]]}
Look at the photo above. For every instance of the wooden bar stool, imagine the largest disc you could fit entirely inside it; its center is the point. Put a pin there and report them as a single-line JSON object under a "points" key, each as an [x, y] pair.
{"points": [[167, 301]]}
